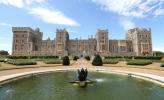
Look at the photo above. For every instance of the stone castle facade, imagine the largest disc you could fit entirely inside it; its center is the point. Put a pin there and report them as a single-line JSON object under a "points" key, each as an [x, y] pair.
{"points": [[28, 42]]}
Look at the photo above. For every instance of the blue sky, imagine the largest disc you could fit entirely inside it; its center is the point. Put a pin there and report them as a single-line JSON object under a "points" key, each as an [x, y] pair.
{"points": [[82, 18]]}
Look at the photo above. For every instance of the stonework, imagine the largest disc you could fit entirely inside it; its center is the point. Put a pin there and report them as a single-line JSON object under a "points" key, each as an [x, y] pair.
{"points": [[28, 42]]}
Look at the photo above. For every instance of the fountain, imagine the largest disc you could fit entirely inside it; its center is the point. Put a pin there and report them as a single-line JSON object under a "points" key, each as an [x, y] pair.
{"points": [[82, 80], [56, 86]]}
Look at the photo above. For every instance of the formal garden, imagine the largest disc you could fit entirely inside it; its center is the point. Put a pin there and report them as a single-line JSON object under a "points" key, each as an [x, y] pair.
{"points": [[97, 60]]}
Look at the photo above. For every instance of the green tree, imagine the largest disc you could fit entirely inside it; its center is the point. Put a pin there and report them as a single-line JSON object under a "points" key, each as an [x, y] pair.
{"points": [[3, 52], [66, 60], [97, 61]]}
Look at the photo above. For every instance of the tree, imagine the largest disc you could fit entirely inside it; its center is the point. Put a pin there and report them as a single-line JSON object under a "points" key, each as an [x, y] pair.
{"points": [[97, 61], [66, 60], [158, 53], [3, 52]]}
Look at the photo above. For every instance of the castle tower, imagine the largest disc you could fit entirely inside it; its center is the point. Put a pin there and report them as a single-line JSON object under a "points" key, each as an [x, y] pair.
{"points": [[141, 39], [62, 42], [102, 41], [26, 41]]}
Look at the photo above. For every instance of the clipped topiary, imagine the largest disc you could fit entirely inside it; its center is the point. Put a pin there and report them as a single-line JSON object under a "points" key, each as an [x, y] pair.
{"points": [[97, 61], [75, 58], [66, 60], [87, 58]]}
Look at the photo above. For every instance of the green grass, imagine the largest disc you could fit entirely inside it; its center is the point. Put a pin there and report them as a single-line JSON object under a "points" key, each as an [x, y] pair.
{"points": [[162, 65], [21, 62], [139, 62], [52, 61], [110, 61]]}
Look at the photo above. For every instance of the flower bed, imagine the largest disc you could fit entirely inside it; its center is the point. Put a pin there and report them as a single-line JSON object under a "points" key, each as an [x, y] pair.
{"points": [[110, 61], [21, 62], [139, 62], [52, 61]]}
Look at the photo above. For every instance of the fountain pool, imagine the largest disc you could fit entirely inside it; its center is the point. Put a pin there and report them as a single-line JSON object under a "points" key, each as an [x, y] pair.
{"points": [[56, 86]]}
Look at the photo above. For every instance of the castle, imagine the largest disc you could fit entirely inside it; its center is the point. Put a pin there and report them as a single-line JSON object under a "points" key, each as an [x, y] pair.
{"points": [[28, 42]]}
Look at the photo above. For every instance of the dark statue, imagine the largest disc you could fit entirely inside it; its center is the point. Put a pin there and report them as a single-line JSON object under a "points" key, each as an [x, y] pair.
{"points": [[82, 80], [82, 74]]}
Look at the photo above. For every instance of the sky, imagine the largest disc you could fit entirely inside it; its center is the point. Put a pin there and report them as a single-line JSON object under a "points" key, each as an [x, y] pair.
{"points": [[82, 18]]}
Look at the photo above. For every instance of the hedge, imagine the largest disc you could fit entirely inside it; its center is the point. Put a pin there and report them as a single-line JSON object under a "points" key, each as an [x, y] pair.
{"points": [[148, 57], [110, 61], [162, 65], [21, 62], [87, 58], [52, 61], [30, 57], [2, 59], [135, 57], [113, 57], [139, 62]]}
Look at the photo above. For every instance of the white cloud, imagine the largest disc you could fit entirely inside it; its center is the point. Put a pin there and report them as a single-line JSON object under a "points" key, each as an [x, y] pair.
{"points": [[52, 16], [40, 10], [20, 3], [159, 12], [5, 24], [127, 24], [133, 8], [15, 3]]}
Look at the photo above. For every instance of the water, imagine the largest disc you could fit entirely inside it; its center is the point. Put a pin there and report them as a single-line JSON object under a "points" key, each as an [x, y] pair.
{"points": [[56, 86]]}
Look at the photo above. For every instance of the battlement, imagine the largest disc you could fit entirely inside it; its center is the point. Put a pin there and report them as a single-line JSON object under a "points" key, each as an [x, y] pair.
{"points": [[102, 30], [21, 29]]}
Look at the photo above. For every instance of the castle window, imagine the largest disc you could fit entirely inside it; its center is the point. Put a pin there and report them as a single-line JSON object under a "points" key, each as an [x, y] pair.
{"points": [[21, 47], [103, 47], [15, 47]]}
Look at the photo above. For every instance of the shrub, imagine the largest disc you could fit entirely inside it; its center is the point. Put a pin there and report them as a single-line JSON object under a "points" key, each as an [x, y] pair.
{"points": [[110, 61], [75, 58], [52, 61], [21, 62], [87, 58], [97, 61], [2, 60], [66, 60], [162, 65], [139, 62]]}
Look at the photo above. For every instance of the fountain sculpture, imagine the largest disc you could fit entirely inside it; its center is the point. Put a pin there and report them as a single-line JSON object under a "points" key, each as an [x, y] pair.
{"points": [[82, 80]]}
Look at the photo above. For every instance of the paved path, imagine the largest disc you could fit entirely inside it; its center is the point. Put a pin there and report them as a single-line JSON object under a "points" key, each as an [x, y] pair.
{"points": [[82, 63], [154, 74]]}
